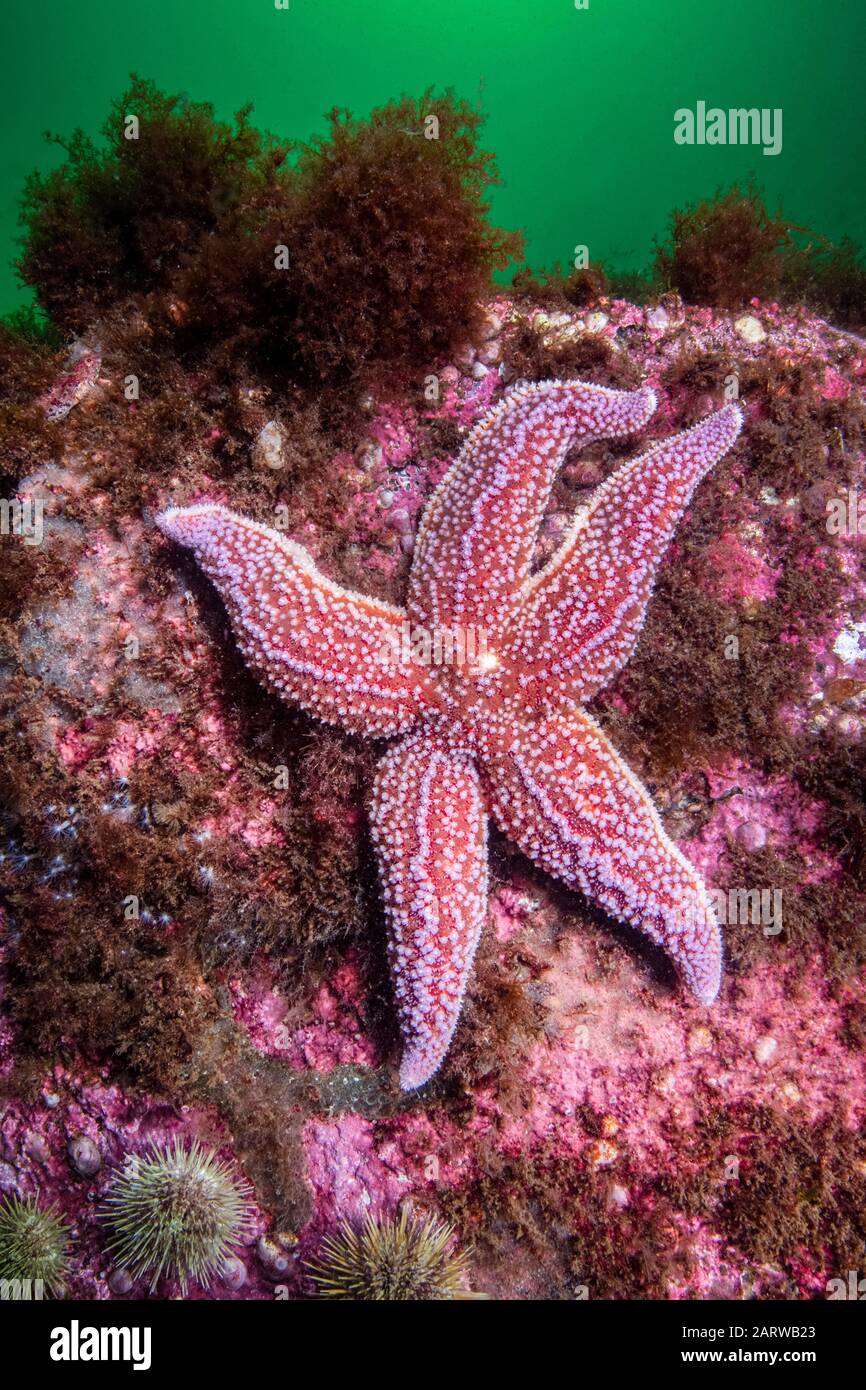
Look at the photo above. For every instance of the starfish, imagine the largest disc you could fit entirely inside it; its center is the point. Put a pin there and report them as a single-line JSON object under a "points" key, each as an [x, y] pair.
{"points": [[486, 696]]}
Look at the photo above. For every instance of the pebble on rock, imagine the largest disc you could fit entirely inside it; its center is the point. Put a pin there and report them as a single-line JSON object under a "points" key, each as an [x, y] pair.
{"points": [[274, 1261], [765, 1049], [751, 835], [84, 1156], [234, 1273], [750, 329], [120, 1281], [268, 449]]}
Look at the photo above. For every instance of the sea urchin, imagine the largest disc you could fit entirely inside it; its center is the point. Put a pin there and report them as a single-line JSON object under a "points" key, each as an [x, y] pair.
{"points": [[33, 1248], [399, 1260], [176, 1212]]}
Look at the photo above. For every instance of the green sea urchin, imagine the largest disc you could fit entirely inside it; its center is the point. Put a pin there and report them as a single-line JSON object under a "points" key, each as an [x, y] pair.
{"points": [[403, 1260], [176, 1212], [33, 1247]]}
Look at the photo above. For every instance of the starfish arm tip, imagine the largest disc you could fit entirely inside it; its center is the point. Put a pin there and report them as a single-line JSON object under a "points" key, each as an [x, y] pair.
{"points": [[178, 523], [702, 969], [165, 520], [706, 991], [416, 1069], [731, 416]]}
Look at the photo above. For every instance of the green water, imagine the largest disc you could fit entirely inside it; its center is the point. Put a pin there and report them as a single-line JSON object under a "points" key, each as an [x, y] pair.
{"points": [[580, 103]]}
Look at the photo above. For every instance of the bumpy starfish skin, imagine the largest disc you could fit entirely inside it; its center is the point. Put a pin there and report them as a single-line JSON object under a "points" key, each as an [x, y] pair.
{"points": [[430, 833], [504, 735], [479, 529], [582, 614], [563, 794], [311, 641]]}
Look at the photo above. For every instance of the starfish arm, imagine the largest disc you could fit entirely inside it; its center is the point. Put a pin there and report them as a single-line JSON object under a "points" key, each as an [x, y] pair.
{"points": [[583, 613], [478, 531], [559, 789], [430, 832], [336, 653]]}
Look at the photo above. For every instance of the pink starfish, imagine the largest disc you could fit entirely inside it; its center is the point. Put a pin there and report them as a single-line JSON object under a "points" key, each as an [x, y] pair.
{"points": [[496, 726]]}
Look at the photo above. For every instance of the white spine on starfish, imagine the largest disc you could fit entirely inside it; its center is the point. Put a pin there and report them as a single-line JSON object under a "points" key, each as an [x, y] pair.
{"points": [[328, 649], [475, 543], [430, 831], [567, 798], [582, 614]]}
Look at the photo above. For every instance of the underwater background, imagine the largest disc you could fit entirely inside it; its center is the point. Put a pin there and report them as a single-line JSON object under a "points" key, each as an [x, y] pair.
{"points": [[579, 103]]}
